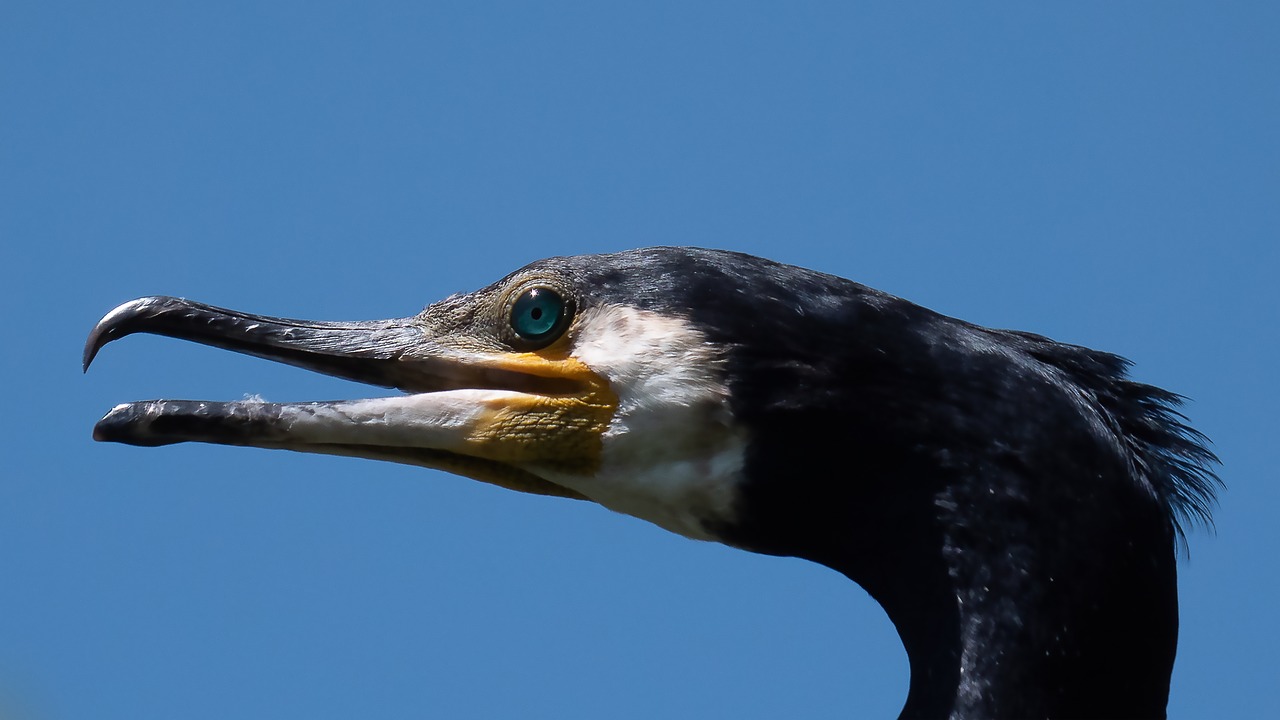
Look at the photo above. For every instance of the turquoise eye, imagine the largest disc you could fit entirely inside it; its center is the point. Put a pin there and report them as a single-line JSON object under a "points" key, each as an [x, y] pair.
{"points": [[537, 314]]}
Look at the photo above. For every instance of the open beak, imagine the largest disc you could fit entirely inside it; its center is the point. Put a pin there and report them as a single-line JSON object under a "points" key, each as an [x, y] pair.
{"points": [[493, 415]]}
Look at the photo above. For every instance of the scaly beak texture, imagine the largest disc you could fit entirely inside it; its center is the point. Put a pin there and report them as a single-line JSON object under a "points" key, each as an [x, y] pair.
{"points": [[493, 415]]}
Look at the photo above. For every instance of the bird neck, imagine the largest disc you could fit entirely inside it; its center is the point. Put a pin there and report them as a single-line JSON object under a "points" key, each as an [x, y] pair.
{"points": [[1006, 500], [1085, 629], [1017, 592]]}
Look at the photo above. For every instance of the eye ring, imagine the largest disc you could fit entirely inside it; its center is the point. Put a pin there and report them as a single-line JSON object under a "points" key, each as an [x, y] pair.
{"points": [[539, 315]]}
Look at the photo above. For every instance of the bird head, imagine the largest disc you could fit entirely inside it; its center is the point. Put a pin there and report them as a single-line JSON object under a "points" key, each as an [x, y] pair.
{"points": [[582, 377], [985, 486]]}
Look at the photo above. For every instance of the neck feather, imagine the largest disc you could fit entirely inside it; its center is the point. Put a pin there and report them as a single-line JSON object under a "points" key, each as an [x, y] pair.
{"points": [[1009, 501], [1032, 634], [1020, 587]]}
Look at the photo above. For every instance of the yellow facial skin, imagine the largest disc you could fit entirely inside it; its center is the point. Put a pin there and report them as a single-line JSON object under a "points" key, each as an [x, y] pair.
{"points": [[562, 432], [505, 435], [509, 432]]}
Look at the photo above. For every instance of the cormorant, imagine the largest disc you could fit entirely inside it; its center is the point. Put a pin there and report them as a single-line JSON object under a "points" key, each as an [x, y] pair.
{"points": [[1014, 503]]}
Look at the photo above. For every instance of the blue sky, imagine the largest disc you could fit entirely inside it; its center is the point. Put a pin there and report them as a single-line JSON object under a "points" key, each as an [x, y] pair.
{"points": [[1105, 174]]}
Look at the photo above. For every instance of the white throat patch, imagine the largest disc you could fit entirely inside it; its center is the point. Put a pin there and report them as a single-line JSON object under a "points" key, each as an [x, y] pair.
{"points": [[673, 454]]}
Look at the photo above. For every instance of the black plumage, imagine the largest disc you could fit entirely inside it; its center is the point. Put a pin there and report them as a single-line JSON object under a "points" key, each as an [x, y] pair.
{"points": [[1014, 503]]}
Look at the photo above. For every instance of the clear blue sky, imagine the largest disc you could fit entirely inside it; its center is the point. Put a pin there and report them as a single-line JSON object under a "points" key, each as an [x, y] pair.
{"points": [[1106, 174]]}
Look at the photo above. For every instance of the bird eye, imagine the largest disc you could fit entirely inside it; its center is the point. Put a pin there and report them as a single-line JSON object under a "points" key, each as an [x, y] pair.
{"points": [[538, 315]]}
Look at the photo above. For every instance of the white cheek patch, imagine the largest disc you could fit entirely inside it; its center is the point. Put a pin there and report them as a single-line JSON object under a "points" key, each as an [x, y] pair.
{"points": [[673, 454]]}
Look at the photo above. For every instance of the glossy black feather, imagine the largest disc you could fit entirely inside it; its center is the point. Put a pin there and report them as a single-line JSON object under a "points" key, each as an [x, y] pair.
{"points": [[1013, 502]]}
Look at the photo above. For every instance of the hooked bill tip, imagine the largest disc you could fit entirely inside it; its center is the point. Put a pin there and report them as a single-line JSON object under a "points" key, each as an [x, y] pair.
{"points": [[91, 346], [112, 326], [89, 353]]}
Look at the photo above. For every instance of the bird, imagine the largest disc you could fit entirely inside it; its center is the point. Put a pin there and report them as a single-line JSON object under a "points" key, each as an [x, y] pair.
{"points": [[1016, 505]]}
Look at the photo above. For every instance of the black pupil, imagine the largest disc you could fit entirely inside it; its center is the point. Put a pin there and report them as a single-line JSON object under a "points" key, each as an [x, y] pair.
{"points": [[537, 314]]}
